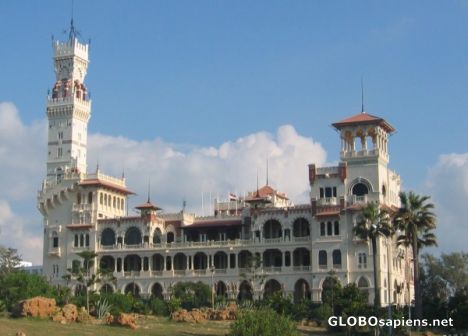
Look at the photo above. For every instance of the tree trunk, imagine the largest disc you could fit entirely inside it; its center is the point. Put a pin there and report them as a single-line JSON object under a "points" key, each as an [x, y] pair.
{"points": [[374, 260], [417, 287]]}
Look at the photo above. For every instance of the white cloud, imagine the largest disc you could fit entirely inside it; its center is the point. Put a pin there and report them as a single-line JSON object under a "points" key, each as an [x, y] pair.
{"points": [[176, 173], [448, 186]]}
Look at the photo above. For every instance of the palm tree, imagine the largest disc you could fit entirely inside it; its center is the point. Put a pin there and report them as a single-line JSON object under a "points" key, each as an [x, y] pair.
{"points": [[415, 221], [375, 223]]}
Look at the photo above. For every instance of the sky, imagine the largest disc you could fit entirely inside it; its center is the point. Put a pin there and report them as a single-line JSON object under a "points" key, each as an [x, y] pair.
{"points": [[195, 95]]}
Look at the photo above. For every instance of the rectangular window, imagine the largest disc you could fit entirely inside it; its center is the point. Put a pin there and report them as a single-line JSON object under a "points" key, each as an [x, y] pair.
{"points": [[322, 229], [321, 193], [337, 228], [328, 192], [334, 191], [59, 152], [329, 229], [60, 135], [232, 262]]}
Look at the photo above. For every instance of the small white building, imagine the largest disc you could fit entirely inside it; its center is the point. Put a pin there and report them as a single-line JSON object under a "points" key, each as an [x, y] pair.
{"points": [[299, 245]]}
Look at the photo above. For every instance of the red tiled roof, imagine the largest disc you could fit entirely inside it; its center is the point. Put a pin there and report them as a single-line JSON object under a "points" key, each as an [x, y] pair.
{"points": [[328, 213], [147, 205], [263, 193], [366, 119], [214, 223], [79, 226], [97, 182]]}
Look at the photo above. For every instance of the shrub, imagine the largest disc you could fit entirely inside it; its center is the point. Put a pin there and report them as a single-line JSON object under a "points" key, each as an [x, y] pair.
{"points": [[120, 303], [263, 321], [17, 286], [159, 307], [192, 295], [279, 304], [174, 304]]}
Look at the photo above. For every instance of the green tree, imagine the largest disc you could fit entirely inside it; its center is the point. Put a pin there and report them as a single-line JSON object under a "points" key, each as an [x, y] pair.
{"points": [[9, 260], [83, 275], [192, 294], [253, 272], [17, 286], [415, 220], [375, 223], [331, 290]]}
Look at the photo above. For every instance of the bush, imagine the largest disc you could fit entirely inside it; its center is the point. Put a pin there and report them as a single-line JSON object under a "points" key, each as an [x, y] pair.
{"points": [[192, 295], [279, 304], [17, 286], [174, 304], [263, 321], [120, 303], [159, 307]]}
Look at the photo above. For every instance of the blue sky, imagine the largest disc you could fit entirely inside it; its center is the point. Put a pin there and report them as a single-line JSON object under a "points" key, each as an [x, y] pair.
{"points": [[185, 70], [202, 73]]}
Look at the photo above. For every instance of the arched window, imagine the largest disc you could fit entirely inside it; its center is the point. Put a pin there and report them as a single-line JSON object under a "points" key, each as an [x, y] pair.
{"points": [[101, 198], [121, 204], [272, 229], [108, 237], [157, 236], [322, 229], [133, 236], [329, 229], [114, 202], [87, 240], [170, 237], [81, 240], [360, 189], [75, 243], [322, 259], [78, 198], [301, 228], [336, 258], [90, 197]]}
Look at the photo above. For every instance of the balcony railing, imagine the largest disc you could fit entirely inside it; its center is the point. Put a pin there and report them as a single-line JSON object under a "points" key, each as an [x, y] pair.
{"points": [[272, 269], [302, 268], [327, 201]]}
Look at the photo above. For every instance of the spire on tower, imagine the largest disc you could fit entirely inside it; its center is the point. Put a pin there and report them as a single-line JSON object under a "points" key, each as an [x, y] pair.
{"points": [[267, 171], [149, 190], [362, 94], [73, 33]]}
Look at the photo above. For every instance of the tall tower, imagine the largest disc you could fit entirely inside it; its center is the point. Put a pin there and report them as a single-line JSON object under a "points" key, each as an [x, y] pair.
{"points": [[68, 109]]}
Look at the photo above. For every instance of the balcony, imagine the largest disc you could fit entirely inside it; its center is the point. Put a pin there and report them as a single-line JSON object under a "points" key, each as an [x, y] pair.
{"points": [[327, 201], [55, 251], [354, 199], [272, 269], [82, 207]]}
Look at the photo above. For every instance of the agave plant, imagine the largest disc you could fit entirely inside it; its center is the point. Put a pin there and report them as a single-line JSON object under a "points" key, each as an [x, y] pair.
{"points": [[103, 307]]}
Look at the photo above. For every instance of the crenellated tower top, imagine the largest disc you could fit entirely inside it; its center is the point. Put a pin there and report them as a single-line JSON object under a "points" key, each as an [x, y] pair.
{"points": [[68, 108]]}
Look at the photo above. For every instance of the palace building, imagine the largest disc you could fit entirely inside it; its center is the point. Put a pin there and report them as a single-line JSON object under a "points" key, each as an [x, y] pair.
{"points": [[298, 246]]}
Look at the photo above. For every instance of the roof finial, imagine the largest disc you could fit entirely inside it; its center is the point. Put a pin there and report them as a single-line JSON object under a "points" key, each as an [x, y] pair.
{"points": [[258, 194], [267, 171], [97, 166], [362, 94], [149, 189], [73, 33]]}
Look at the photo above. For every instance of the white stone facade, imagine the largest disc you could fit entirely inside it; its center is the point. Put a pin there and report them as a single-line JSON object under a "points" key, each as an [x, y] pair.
{"points": [[299, 245]]}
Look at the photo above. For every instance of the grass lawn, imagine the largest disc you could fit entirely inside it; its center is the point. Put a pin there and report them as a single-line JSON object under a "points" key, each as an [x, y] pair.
{"points": [[150, 326], [153, 326]]}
